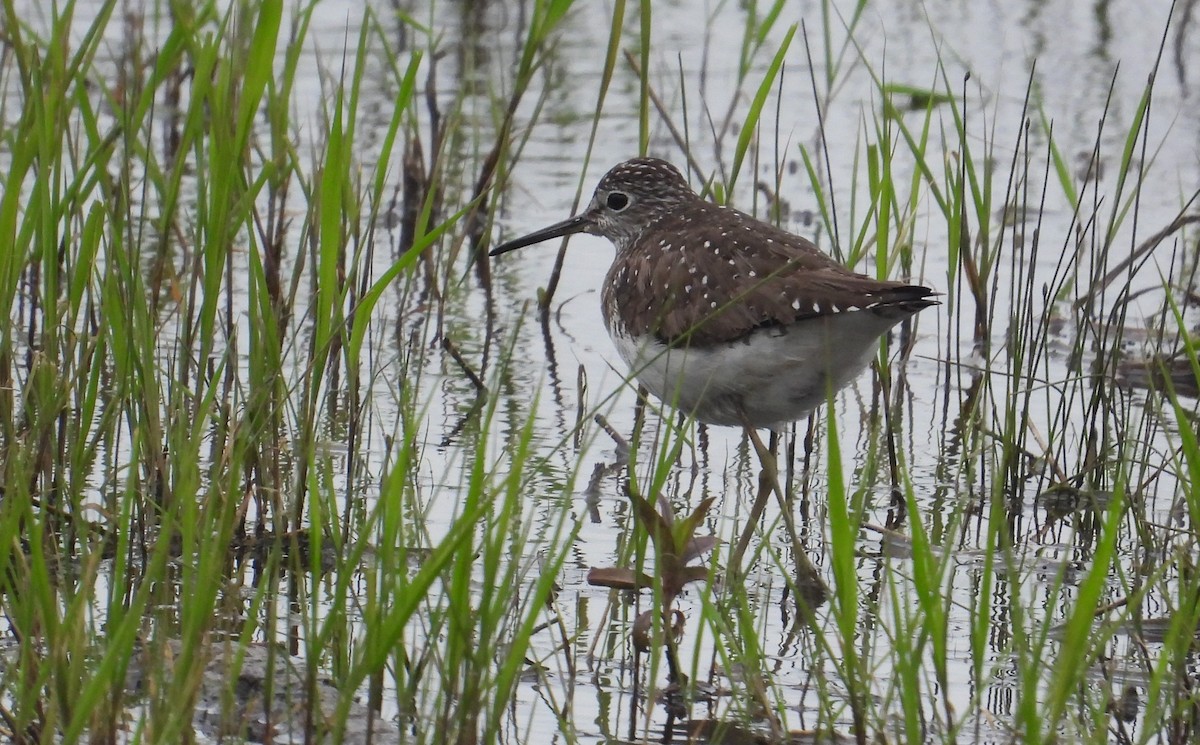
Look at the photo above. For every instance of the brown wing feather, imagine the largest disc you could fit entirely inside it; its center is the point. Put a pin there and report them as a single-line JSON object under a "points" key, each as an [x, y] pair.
{"points": [[719, 283]]}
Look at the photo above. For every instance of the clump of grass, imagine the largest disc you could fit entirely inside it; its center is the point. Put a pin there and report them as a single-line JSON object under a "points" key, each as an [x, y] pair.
{"points": [[247, 403], [190, 327]]}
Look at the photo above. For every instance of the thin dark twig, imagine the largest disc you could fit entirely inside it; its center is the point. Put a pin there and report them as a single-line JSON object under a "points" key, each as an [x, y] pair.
{"points": [[622, 443], [1144, 248], [680, 138], [837, 244], [450, 347]]}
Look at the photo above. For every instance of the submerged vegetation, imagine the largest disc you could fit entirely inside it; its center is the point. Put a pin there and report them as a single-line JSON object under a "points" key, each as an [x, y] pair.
{"points": [[287, 458]]}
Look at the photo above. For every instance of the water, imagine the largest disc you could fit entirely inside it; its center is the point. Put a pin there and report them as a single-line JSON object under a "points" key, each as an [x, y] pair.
{"points": [[1077, 55], [1067, 53]]}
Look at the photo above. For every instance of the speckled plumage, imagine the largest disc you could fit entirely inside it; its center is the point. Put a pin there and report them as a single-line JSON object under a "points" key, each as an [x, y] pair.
{"points": [[726, 316]]}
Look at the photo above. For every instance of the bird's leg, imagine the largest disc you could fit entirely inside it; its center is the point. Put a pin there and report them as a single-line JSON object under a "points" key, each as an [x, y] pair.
{"points": [[806, 573], [810, 584], [756, 510]]}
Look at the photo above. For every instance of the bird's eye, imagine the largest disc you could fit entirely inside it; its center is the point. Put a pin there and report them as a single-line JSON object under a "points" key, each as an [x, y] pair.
{"points": [[617, 201]]}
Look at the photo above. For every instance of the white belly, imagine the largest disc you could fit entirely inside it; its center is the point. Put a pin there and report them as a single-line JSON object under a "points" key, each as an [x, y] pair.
{"points": [[774, 376]]}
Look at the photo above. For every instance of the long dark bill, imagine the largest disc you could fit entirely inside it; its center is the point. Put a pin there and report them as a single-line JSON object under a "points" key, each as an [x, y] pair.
{"points": [[569, 226]]}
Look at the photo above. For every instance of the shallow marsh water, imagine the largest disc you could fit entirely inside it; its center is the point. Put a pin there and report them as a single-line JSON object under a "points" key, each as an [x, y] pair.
{"points": [[562, 373]]}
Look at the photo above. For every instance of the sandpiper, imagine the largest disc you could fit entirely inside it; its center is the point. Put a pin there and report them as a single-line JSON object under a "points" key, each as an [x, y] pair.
{"points": [[728, 318]]}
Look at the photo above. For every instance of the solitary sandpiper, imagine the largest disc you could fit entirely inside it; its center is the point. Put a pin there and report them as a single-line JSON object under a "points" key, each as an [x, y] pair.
{"points": [[729, 318]]}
